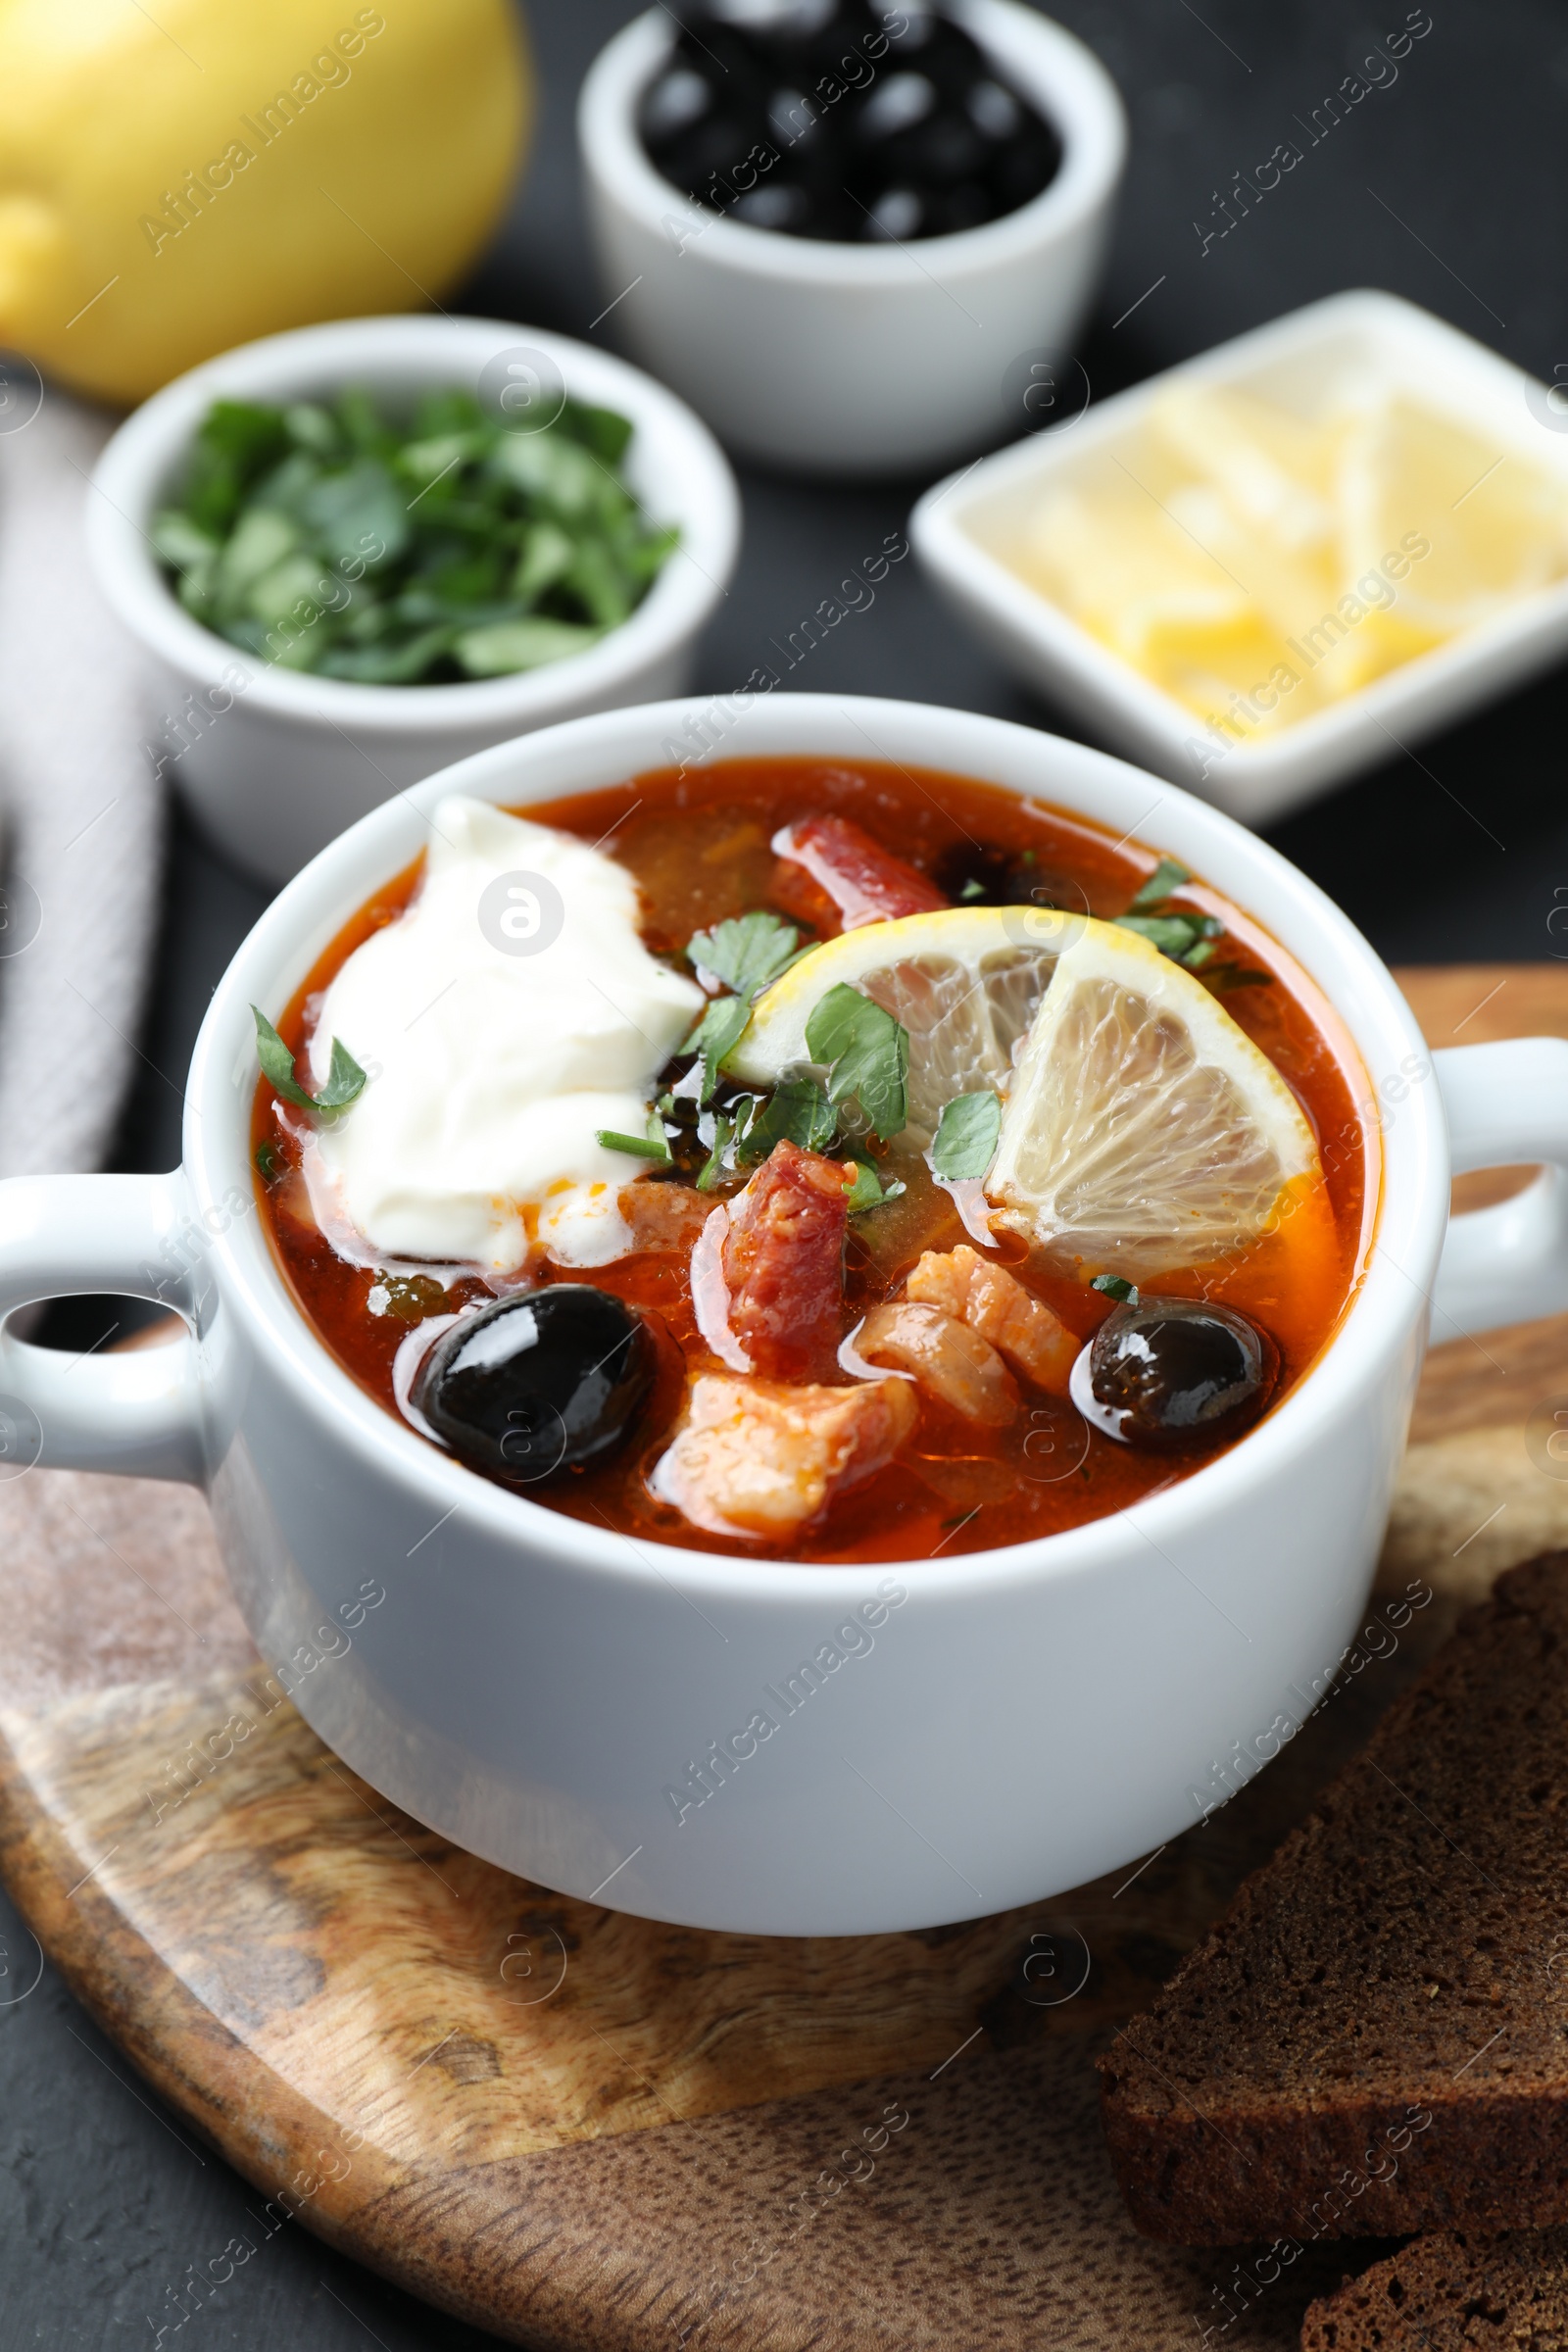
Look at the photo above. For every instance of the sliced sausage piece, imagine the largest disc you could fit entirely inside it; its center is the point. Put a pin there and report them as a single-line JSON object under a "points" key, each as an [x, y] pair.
{"points": [[994, 1305], [832, 875], [944, 1356], [761, 1457], [661, 1215], [783, 1264]]}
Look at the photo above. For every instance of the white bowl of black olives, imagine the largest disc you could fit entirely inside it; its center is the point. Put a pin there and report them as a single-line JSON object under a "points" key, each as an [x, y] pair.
{"points": [[846, 235]]}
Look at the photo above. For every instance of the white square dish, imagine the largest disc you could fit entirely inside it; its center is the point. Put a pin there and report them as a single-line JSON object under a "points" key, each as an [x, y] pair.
{"points": [[1294, 362]]}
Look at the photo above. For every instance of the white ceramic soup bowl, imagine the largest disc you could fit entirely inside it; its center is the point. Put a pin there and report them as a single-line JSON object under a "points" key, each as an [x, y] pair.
{"points": [[835, 359], [748, 1745], [272, 761]]}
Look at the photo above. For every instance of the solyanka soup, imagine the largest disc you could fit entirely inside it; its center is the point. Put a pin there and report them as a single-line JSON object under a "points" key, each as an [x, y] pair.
{"points": [[825, 1162]]}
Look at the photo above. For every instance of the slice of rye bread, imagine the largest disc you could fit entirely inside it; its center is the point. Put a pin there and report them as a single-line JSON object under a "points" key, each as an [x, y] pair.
{"points": [[1446, 2294], [1374, 2038]]}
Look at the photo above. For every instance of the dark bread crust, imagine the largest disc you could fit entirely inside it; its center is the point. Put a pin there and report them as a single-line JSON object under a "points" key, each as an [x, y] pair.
{"points": [[1374, 2038], [1448, 2293]]}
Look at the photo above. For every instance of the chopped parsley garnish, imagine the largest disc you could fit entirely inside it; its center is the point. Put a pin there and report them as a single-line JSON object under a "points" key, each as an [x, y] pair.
{"points": [[1184, 937], [345, 1080], [970, 891], [427, 552], [651, 1145], [866, 1055], [868, 1191], [965, 1142], [1115, 1286], [1168, 875], [717, 1035], [746, 953], [797, 1113], [719, 1134], [1232, 975]]}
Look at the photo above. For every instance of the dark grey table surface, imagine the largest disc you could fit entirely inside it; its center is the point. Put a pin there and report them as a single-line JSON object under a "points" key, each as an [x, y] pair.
{"points": [[1448, 185]]}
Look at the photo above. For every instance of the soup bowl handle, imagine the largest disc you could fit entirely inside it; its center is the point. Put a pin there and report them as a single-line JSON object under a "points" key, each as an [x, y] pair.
{"points": [[137, 1413], [1506, 1105]]}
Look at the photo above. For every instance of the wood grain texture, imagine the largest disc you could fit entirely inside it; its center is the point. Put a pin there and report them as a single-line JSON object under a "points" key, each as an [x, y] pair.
{"points": [[574, 2127], [1496, 1380], [587, 2130]]}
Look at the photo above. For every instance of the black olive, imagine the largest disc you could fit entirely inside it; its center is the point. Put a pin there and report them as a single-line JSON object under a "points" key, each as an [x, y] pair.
{"points": [[548, 1380], [774, 205], [896, 105], [1181, 1372], [811, 118], [897, 215], [675, 102]]}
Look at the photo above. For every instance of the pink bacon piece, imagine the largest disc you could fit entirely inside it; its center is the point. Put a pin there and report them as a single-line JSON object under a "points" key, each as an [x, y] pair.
{"points": [[783, 1264], [943, 1357], [764, 1457], [998, 1308], [832, 875]]}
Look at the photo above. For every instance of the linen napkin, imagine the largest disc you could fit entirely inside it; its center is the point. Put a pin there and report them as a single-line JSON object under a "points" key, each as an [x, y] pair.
{"points": [[80, 811]]}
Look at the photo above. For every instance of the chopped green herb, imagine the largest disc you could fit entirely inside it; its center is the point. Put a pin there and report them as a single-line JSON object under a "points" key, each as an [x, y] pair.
{"points": [[866, 1053], [268, 1163], [717, 1133], [797, 1113], [717, 1035], [1115, 1287], [965, 1142], [1232, 975], [345, 1080], [650, 1146], [506, 647], [235, 443], [1168, 875], [868, 1191], [746, 953], [1184, 937], [423, 552], [972, 890], [1174, 935]]}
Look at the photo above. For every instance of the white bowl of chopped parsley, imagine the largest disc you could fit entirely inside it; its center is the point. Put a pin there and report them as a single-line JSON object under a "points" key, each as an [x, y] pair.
{"points": [[354, 553]]}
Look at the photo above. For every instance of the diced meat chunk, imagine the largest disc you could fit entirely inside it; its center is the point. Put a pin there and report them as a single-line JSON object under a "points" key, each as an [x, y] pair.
{"points": [[661, 1215], [832, 875], [994, 1305], [783, 1264], [944, 1356], [761, 1457]]}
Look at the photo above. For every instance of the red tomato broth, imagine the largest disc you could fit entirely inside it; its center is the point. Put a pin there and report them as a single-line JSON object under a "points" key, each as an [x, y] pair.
{"points": [[971, 1489]]}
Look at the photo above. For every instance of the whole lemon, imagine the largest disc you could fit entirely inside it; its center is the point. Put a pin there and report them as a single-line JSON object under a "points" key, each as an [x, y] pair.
{"points": [[179, 177]]}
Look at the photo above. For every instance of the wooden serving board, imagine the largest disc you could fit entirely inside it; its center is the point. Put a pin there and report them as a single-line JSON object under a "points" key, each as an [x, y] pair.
{"points": [[581, 2130]]}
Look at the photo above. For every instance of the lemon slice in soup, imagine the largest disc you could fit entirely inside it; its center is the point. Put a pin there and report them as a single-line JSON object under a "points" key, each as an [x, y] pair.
{"points": [[965, 982], [1143, 1130]]}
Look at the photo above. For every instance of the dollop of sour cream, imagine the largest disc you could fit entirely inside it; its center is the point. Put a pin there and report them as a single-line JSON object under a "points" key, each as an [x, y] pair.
{"points": [[509, 1014]]}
